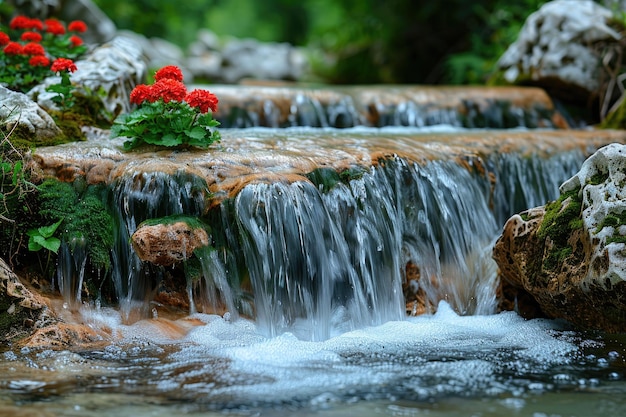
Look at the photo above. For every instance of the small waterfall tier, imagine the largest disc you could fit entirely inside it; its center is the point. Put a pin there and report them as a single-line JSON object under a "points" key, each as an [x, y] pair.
{"points": [[380, 106], [311, 229]]}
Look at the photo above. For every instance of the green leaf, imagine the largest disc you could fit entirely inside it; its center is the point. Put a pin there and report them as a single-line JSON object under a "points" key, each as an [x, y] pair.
{"points": [[52, 244], [17, 169], [47, 231], [196, 133], [33, 246], [170, 140]]}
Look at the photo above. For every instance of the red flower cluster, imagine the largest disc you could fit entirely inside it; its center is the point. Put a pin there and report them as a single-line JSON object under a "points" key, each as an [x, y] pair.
{"points": [[63, 64], [13, 48], [203, 100], [171, 72], [31, 37], [33, 48], [4, 39], [168, 87], [54, 26], [39, 61], [77, 26], [25, 23]]}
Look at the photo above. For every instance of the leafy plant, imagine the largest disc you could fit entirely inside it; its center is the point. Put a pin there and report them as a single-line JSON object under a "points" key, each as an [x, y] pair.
{"points": [[64, 97], [43, 238], [168, 115]]}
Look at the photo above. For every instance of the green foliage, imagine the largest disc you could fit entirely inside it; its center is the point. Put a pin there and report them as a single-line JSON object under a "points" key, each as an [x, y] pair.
{"points": [[355, 41], [64, 90], [166, 124], [327, 178], [43, 238]]}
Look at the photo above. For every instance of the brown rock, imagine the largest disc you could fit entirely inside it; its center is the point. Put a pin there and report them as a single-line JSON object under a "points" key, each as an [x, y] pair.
{"points": [[20, 308], [167, 244], [536, 289]]}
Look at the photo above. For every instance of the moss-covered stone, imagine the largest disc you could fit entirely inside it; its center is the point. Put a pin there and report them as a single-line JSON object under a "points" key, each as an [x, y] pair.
{"points": [[561, 218]]}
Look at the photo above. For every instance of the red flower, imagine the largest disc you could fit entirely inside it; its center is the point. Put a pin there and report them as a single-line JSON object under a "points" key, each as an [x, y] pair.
{"points": [[55, 27], [142, 93], [33, 48], [77, 26], [76, 41], [63, 64], [203, 100], [13, 48], [39, 61], [4, 39], [31, 37], [24, 22], [171, 72], [169, 89]]}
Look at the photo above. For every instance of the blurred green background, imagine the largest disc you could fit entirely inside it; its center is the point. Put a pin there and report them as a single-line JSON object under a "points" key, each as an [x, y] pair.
{"points": [[371, 41]]}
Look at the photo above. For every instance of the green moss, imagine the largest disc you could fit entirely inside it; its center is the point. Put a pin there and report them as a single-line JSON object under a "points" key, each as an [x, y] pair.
{"points": [[598, 178], [191, 221], [327, 178], [561, 218], [83, 214]]}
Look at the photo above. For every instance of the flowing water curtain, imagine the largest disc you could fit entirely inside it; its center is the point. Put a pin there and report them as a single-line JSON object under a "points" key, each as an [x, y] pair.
{"points": [[339, 256]]}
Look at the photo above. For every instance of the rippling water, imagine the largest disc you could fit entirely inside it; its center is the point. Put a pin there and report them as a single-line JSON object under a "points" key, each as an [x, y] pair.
{"points": [[435, 365]]}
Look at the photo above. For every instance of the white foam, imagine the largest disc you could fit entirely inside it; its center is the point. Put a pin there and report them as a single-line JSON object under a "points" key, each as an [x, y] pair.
{"points": [[428, 355]]}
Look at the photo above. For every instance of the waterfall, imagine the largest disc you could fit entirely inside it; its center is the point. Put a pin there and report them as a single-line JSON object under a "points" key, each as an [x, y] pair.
{"points": [[335, 251]]}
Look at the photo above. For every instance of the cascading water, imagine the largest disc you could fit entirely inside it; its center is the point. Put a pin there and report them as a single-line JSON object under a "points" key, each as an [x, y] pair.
{"points": [[316, 243]]}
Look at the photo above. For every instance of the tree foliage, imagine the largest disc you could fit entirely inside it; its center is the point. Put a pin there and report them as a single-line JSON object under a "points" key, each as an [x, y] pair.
{"points": [[362, 41]]}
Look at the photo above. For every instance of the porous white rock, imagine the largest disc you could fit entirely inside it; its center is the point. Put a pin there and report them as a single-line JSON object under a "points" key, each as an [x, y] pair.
{"points": [[602, 184], [18, 109], [110, 71], [554, 42]]}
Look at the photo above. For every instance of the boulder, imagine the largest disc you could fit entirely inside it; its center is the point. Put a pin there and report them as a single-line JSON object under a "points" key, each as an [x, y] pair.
{"points": [[570, 255], [555, 48], [168, 243], [18, 111]]}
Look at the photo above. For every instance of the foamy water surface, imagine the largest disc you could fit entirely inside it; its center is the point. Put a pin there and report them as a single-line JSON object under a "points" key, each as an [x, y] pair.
{"points": [[439, 365]]}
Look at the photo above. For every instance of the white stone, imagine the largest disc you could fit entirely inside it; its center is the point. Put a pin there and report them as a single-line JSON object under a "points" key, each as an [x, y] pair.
{"points": [[111, 71], [554, 42], [18, 109], [600, 200]]}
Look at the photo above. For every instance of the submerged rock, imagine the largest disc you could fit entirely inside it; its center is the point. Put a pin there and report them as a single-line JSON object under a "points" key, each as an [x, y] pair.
{"points": [[570, 256]]}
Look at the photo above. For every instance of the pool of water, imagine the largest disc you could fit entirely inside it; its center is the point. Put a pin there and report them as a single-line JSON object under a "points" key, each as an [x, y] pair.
{"points": [[436, 365]]}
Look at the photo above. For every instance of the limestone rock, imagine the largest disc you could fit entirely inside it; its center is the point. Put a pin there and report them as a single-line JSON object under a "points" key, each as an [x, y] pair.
{"points": [[18, 109], [167, 244], [570, 255], [554, 48], [111, 71]]}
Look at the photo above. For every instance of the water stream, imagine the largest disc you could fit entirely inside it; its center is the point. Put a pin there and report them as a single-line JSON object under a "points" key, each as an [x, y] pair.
{"points": [[301, 308]]}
